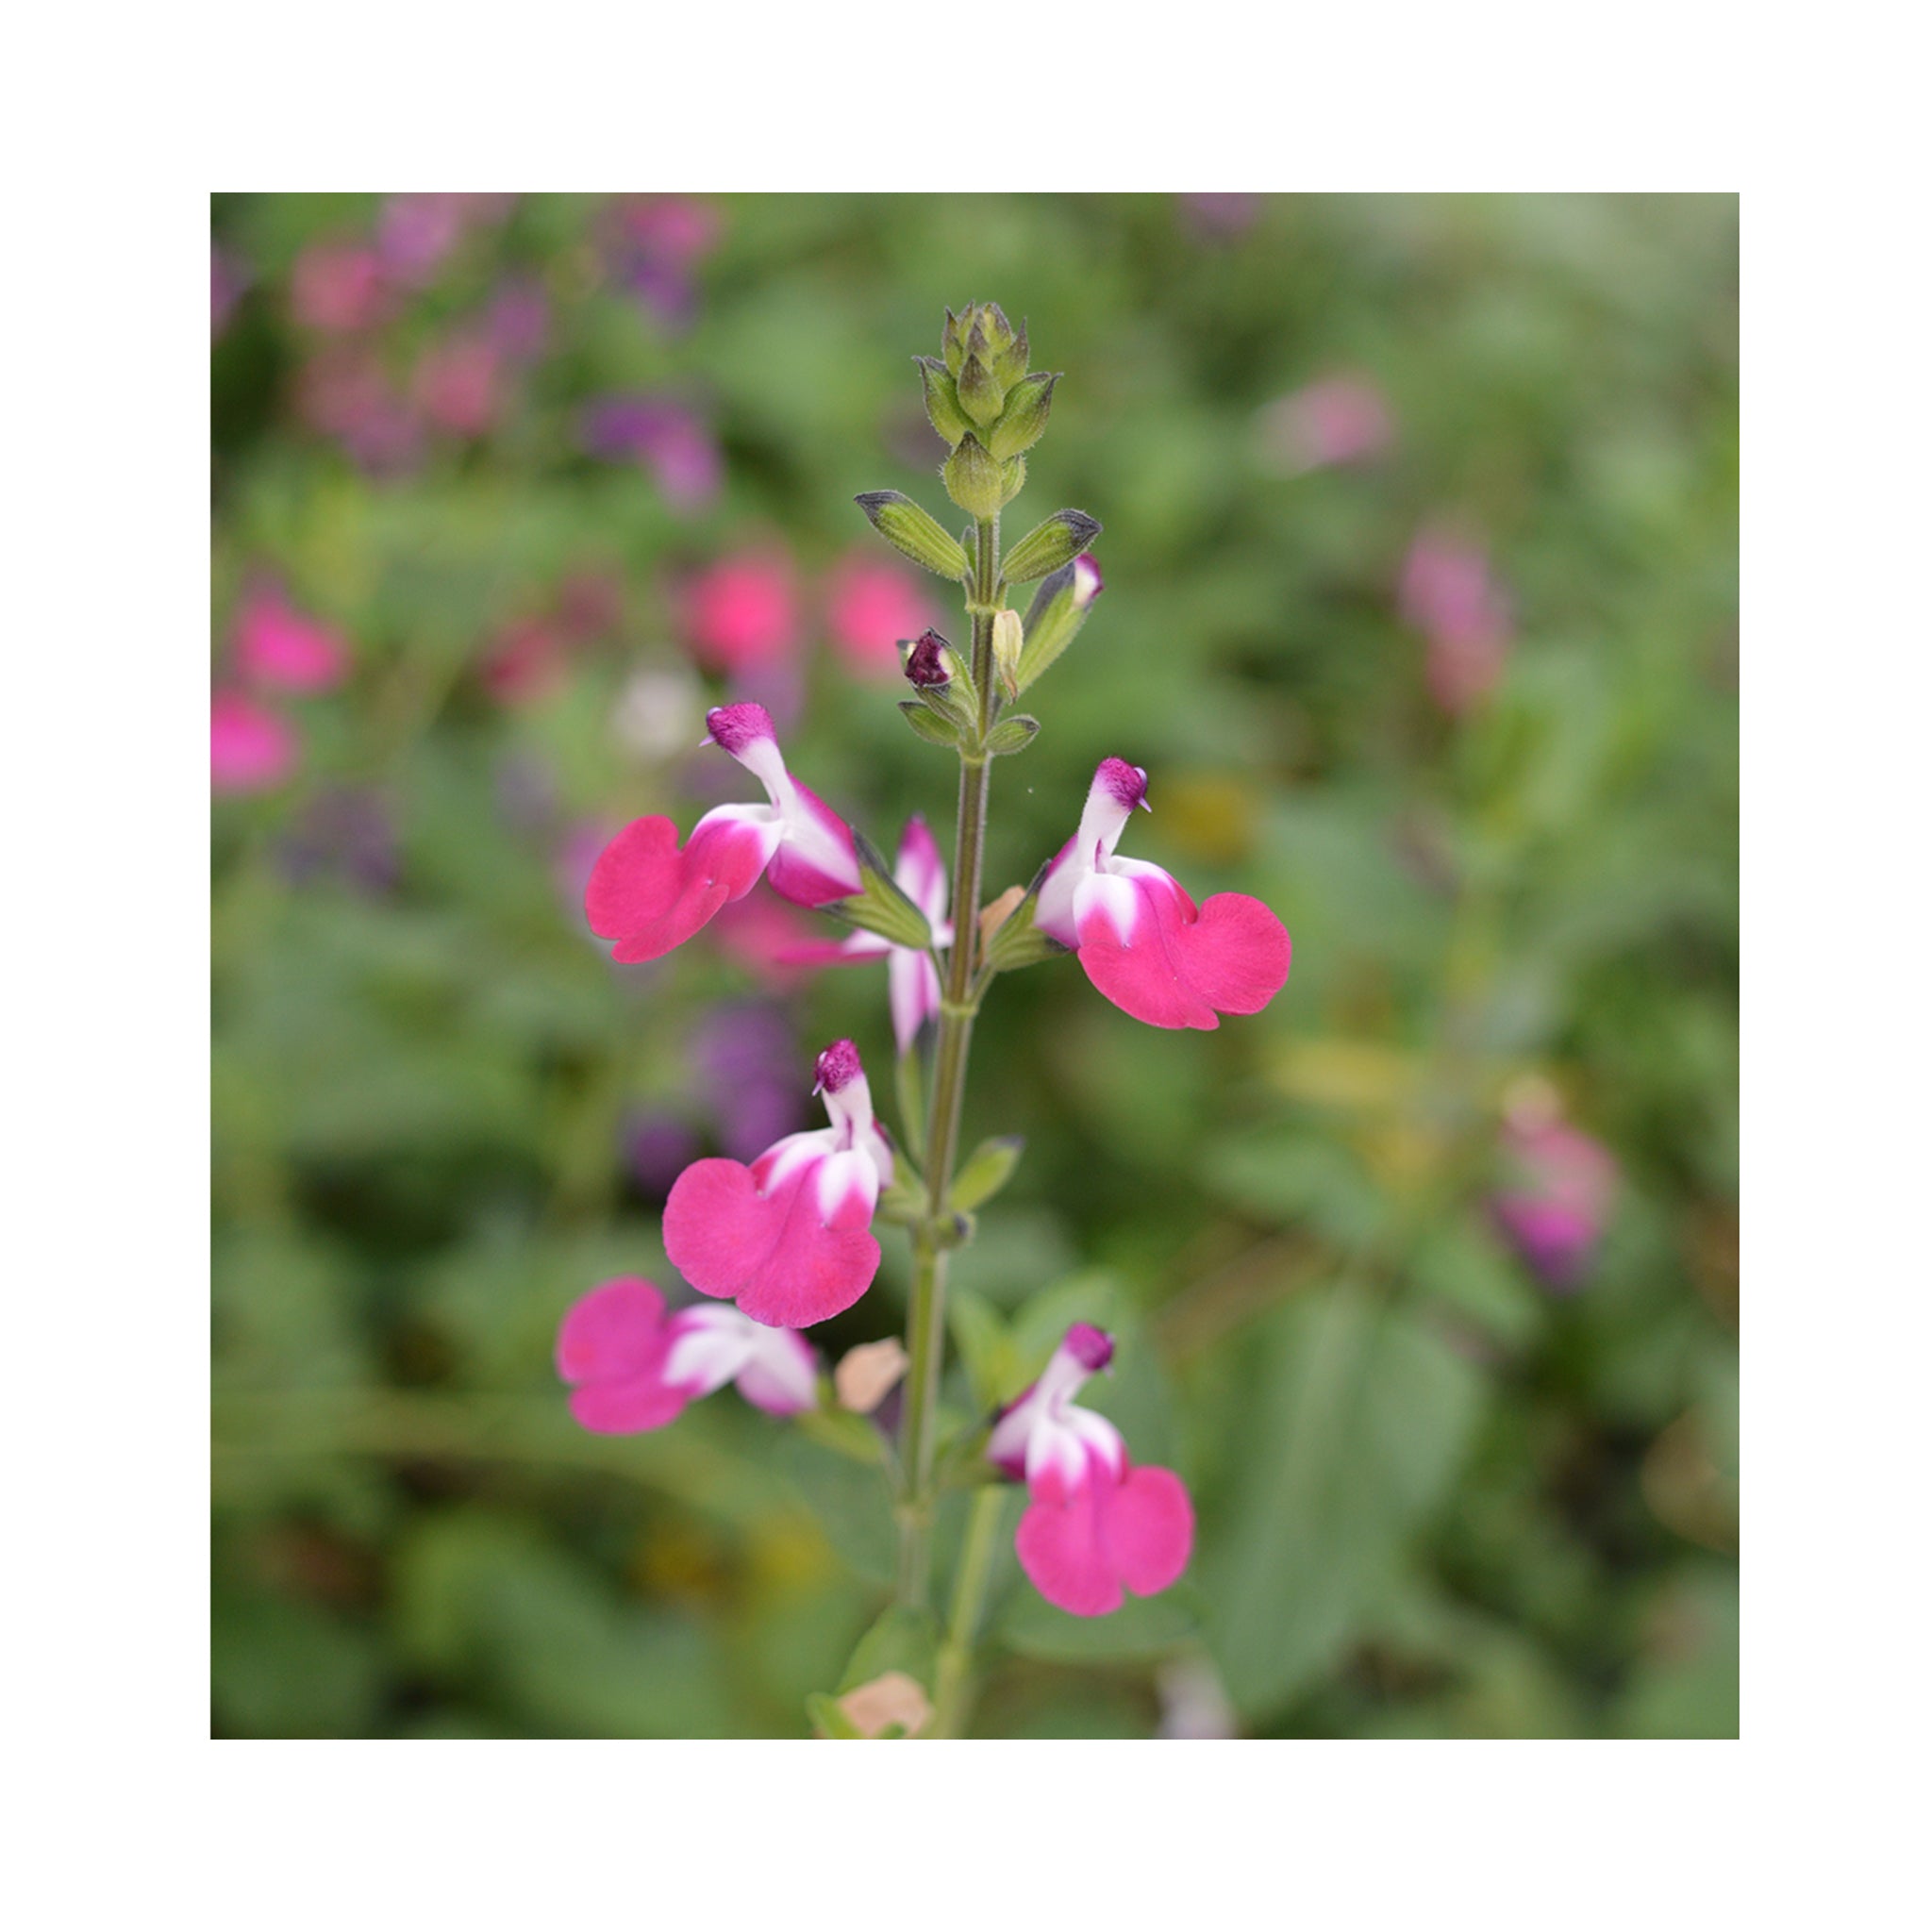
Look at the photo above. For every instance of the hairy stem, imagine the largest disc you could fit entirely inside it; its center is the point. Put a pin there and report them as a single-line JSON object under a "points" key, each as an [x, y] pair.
{"points": [[925, 1323]]}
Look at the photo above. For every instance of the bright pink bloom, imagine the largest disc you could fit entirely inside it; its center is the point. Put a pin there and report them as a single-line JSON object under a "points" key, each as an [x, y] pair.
{"points": [[633, 1369], [1096, 1525], [1449, 593], [649, 895], [1341, 419], [741, 614], [254, 749], [278, 646], [459, 385], [870, 605], [1556, 1200], [1141, 941], [912, 981], [788, 1237]]}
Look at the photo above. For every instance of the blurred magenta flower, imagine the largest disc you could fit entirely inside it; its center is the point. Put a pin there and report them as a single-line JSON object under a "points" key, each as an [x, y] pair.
{"points": [[744, 1059], [1558, 1186], [254, 748], [869, 606], [1096, 1526], [575, 860], [527, 661], [658, 1148], [416, 233], [1449, 593], [345, 394], [1341, 419], [516, 322], [457, 384], [631, 1368], [672, 441], [789, 1238], [1221, 217], [657, 244], [765, 936], [338, 288], [741, 614], [276, 646]]}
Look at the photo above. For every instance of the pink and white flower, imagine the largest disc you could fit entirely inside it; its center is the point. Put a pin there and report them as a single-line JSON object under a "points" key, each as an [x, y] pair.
{"points": [[1096, 1525], [632, 1368], [912, 981], [649, 894], [788, 1237], [1141, 938]]}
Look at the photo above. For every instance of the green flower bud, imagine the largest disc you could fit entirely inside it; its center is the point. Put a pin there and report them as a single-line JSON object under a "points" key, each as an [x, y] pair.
{"points": [[1008, 639], [1048, 545], [1013, 479], [912, 533], [1010, 364], [941, 399], [980, 396], [975, 482], [1023, 419], [1060, 608], [952, 340]]}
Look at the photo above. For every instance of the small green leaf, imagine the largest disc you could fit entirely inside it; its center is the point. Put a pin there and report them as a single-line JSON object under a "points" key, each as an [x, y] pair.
{"points": [[1017, 942], [986, 1171], [929, 725], [902, 1639], [1010, 735], [979, 1333], [880, 905]]}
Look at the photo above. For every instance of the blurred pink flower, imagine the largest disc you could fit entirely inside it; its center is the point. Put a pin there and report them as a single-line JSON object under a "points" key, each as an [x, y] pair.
{"points": [[338, 288], [658, 243], [1449, 593], [345, 393], [741, 614], [870, 605], [1221, 217], [1341, 419], [673, 441], [1558, 1186], [526, 662], [457, 385], [762, 933], [517, 321], [252, 748], [280, 647]]}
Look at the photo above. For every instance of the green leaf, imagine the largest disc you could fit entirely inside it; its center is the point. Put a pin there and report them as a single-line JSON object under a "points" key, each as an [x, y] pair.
{"points": [[851, 1502], [993, 1370], [986, 1171], [928, 724], [902, 1639], [1017, 943], [827, 1719], [880, 905], [1010, 735]]}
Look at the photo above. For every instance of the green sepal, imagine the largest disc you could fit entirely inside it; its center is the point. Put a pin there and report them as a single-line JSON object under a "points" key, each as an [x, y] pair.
{"points": [[1022, 422], [930, 722], [986, 1349], [902, 1639], [1012, 479], [838, 1430], [1054, 619], [909, 1081], [903, 1203], [1009, 363], [952, 340], [880, 905], [942, 408], [912, 533], [1010, 735], [1048, 546], [987, 1170], [981, 394], [975, 482], [827, 1719], [1017, 942]]}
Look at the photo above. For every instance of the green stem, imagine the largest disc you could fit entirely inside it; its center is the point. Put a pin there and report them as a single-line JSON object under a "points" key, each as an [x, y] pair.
{"points": [[952, 1700], [926, 1320]]}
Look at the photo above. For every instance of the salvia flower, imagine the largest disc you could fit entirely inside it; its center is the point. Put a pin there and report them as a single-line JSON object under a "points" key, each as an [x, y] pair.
{"points": [[1558, 1188], [913, 980], [1141, 939], [278, 646], [741, 614], [869, 606], [788, 1237], [633, 1368], [252, 748], [650, 895], [1451, 594], [1095, 1526]]}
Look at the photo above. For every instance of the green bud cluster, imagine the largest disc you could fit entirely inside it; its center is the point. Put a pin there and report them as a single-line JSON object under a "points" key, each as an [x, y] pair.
{"points": [[982, 401]]}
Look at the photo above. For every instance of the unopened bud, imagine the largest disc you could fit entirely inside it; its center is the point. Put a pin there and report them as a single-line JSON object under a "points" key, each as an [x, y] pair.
{"points": [[1048, 545], [1007, 641], [980, 393], [941, 399], [929, 662], [1060, 608], [868, 1374], [1010, 364], [1012, 479], [912, 533], [975, 482], [1023, 419], [952, 340]]}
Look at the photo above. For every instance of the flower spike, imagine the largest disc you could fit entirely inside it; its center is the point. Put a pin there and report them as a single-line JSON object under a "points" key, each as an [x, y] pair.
{"points": [[1097, 1525], [788, 1237], [1141, 939], [650, 896], [632, 1369]]}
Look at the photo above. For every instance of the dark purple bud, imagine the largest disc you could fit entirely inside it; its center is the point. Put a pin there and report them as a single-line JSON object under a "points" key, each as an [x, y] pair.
{"points": [[926, 664]]}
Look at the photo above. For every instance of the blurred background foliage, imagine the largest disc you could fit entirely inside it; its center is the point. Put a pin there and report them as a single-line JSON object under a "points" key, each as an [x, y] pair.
{"points": [[1420, 608]]}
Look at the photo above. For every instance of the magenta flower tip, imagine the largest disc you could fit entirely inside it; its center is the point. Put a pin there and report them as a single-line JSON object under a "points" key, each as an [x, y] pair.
{"points": [[838, 1067], [1091, 1347], [1128, 783], [734, 726], [1088, 582]]}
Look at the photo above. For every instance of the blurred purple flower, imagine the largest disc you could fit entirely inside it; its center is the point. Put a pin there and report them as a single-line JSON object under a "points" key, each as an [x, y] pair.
{"points": [[416, 233], [656, 243], [673, 441], [1558, 1186], [1221, 217], [571, 864], [527, 793], [457, 384], [745, 1060], [658, 1148], [1340, 419], [344, 834], [230, 280], [516, 322], [1449, 593], [345, 394]]}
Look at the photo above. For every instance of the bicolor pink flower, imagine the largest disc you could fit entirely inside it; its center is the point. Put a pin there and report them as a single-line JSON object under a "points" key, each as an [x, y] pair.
{"points": [[278, 646], [1451, 595], [788, 1237], [912, 981], [741, 614], [1555, 1199], [1096, 1525], [1141, 938], [649, 894], [254, 749], [869, 606], [632, 1368]]}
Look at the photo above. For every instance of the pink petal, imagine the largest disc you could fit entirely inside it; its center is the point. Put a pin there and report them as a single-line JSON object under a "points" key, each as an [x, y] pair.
{"points": [[1179, 967], [817, 869], [778, 1255], [920, 870], [649, 896], [1080, 1548], [250, 747], [613, 1344], [278, 646], [782, 1378]]}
